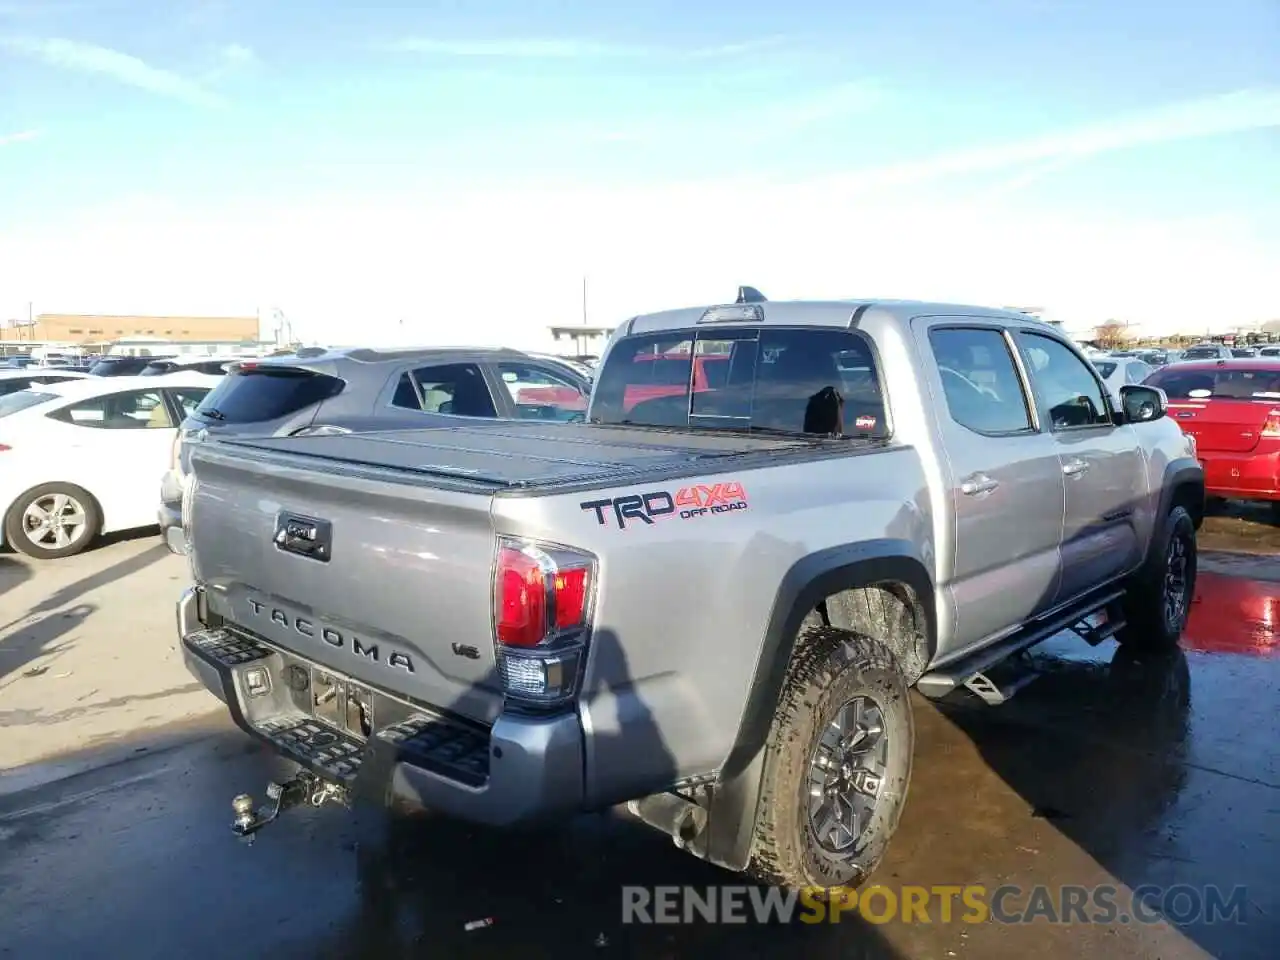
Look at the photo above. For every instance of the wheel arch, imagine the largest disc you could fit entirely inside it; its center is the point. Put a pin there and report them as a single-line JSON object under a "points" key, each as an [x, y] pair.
{"points": [[889, 563], [1182, 486]]}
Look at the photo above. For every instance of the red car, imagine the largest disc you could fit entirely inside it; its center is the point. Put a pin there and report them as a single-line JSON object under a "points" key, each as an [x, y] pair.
{"points": [[667, 375], [1232, 409]]}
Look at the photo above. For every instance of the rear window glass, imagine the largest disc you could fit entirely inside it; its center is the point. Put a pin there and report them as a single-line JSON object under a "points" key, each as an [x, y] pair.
{"points": [[158, 368], [1106, 367], [266, 393], [13, 402], [1238, 384], [120, 366], [1202, 353], [797, 380]]}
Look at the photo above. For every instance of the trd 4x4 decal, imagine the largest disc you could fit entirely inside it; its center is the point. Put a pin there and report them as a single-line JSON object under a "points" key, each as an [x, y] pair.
{"points": [[687, 503]]}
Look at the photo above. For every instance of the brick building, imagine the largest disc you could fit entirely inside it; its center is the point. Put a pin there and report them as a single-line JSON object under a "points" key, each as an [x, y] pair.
{"points": [[93, 328]]}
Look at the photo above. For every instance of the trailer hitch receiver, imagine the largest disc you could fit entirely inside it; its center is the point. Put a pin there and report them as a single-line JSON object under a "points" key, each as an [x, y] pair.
{"points": [[304, 788]]}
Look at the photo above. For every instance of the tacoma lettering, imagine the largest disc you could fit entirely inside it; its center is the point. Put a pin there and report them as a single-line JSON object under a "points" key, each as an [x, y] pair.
{"points": [[333, 637]]}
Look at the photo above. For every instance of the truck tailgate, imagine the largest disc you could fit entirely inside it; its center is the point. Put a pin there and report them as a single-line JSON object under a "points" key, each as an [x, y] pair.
{"points": [[388, 583]]}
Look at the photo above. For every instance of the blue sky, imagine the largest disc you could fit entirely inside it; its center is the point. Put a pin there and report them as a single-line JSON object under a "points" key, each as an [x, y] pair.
{"points": [[318, 127]]}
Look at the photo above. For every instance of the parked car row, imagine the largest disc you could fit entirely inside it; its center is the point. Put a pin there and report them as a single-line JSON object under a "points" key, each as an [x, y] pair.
{"points": [[317, 390], [80, 452]]}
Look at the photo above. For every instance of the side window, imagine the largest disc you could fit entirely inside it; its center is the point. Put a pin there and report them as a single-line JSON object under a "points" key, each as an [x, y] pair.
{"points": [[14, 385], [1067, 390], [188, 398], [458, 389], [136, 410], [406, 395], [980, 380], [1138, 372], [539, 394]]}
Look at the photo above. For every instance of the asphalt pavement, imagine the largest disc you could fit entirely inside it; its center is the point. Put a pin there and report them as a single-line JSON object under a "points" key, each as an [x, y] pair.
{"points": [[1106, 770], [1159, 774]]}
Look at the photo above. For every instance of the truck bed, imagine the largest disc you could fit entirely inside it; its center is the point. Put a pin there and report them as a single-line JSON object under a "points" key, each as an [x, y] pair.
{"points": [[531, 455]]}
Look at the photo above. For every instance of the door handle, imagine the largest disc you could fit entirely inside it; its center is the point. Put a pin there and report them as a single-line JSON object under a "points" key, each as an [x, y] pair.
{"points": [[1075, 467], [978, 484]]}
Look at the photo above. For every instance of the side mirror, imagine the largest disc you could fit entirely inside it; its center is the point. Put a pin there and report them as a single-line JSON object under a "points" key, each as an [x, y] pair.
{"points": [[1142, 404]]}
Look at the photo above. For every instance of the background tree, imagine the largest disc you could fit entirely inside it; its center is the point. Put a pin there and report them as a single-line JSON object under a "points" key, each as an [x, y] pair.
{"points": [[1111, 335]]}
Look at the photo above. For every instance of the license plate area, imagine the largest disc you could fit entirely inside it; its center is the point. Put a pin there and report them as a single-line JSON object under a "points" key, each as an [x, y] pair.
{"points": [[341, 704]]}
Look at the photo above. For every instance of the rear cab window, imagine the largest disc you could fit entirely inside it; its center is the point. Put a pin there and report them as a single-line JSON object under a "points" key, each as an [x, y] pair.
{"points": [[259, 393], [796, 380]]}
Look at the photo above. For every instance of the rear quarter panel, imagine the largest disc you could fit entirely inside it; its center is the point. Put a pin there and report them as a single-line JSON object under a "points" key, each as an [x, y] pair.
{"points": [[683, 602]]}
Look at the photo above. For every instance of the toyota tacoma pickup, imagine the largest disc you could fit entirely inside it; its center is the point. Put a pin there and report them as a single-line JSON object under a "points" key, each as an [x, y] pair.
{"points": [[709, 601]]}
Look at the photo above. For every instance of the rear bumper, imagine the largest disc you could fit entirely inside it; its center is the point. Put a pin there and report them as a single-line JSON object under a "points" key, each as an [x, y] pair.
{"points": [[520, 770], [1244, 476]]}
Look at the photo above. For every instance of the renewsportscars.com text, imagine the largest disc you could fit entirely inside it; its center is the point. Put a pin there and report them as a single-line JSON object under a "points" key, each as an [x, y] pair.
{"points": [[1104, 904]]}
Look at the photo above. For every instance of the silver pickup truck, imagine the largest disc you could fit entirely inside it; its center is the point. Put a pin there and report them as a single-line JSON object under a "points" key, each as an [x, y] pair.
{"points": [[710, 600]]}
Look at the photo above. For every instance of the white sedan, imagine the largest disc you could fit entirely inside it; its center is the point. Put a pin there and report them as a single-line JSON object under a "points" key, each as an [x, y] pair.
{"points": [[81, 458], [1118, 371]]}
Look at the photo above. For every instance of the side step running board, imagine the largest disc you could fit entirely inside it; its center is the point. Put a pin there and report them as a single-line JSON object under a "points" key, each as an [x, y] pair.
{"points": [[971, 671]]}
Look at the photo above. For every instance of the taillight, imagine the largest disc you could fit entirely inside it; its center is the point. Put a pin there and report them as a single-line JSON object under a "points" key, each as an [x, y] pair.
{"points": [[542, 600], [1271, 428], [4, 448]]}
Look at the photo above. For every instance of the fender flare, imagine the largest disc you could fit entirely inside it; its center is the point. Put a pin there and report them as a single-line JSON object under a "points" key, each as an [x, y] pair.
{"points": [[1179, 474], [809, 580]]}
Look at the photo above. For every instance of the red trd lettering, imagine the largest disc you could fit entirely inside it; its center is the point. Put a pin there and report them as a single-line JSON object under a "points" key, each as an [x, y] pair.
{"points": [[687, 497]]}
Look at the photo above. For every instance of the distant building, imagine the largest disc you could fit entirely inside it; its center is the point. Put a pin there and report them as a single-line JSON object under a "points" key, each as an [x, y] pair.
{"points": [[587, 341], [97, 329]]}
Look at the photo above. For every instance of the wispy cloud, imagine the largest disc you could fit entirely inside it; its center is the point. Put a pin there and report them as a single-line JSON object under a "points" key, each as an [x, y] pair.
{"points": [[763, 121], [22, 136], [122, 67], [1213, 116], [569, 48], [228, 61], [237, 54]]}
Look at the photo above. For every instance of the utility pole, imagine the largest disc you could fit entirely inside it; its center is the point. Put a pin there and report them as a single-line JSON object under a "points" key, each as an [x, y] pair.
{"points": [[584, 301]]}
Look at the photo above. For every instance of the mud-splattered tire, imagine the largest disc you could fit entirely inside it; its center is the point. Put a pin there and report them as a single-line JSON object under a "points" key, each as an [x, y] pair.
{"points": [[834, 675], [1157, 602]]}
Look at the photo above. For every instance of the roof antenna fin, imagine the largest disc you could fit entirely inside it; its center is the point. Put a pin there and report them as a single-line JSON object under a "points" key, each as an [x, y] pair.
{"points": [[750, 295]]}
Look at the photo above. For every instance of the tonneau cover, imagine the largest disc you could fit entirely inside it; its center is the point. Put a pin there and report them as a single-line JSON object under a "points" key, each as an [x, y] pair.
{"points": [[517, 454]]}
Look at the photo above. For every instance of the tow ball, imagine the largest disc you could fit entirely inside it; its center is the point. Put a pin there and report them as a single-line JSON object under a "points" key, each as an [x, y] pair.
{"points": [[304, 789]]}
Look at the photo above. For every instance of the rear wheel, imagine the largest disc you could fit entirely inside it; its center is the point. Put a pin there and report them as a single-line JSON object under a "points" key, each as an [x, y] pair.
{"points": [[52, 521], [1158, 601], [837, 766]]}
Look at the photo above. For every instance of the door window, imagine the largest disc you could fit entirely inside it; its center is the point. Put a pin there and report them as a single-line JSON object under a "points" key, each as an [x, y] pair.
{"points": [[458, 389], [539, 394], [1068, 390], [980, 380], [188, 398], [135, 410]]}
